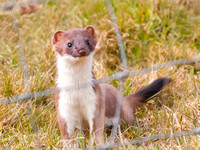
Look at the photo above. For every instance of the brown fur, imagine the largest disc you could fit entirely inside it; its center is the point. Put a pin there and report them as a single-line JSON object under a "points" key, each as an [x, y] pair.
{"points": [[76, 37], [62, 124], [107, 94], [99, 115]]}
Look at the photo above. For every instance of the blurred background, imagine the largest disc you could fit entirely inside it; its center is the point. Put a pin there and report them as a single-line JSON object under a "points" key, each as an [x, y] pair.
{"points": [[153, 32]]}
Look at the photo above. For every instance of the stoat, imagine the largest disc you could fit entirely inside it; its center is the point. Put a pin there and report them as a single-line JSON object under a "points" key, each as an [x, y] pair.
{"points": [[92, 105]]}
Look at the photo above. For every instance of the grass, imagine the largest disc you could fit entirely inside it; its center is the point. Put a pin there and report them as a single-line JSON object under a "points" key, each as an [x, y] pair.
{"points": [[153, 32]]}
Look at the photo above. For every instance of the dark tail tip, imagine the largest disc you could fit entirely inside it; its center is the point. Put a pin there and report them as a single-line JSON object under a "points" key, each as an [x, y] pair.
{"points": [[151, 90]]}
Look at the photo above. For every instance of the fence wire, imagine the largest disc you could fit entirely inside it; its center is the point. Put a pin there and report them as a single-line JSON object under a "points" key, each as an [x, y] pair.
{"points": [[26, 78], [124, 65], [118, 34], [195, 131], [118, 76]]}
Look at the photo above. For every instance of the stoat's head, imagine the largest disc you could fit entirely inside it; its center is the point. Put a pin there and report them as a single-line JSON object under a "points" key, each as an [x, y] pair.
{"points": [[76, 43]]}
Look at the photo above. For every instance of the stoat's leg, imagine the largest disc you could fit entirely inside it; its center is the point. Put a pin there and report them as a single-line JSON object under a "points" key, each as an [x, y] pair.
{"points": [[99, 127], [98, 120], [66, 130], [63, 130], [63, 127]]}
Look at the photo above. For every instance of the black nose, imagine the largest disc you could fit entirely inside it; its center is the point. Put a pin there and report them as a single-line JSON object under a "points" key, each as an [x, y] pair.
{"points": [[82, 52]]}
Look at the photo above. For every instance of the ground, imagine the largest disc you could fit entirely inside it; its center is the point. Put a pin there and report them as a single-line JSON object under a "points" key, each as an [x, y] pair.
{"points": [[153, 32]]}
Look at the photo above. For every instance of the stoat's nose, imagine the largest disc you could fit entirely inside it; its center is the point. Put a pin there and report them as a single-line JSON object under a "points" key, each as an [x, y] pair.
{"points": [[82, 52]]}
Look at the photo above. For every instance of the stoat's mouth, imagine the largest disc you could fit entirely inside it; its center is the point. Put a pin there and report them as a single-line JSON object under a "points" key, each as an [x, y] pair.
{"points": [[75, 58], [80, 54], [70, 58]]}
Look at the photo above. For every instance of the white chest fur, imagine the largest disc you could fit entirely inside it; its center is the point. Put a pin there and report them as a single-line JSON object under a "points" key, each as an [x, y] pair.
{"points": [[76, 104]]}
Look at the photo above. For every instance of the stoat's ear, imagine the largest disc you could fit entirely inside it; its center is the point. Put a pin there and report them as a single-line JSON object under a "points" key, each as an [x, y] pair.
{"points": [[58, 35], [90, 30]]}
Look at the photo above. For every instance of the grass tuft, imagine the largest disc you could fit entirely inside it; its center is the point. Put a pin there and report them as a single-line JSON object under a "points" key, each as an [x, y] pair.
{"points": [[153, 32]]}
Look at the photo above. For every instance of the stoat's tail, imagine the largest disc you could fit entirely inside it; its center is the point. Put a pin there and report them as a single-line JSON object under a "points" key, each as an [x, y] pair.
{"points": [[131, 102]]}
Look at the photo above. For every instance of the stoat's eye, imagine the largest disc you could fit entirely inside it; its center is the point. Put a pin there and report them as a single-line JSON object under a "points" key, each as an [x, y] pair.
{"points": [[69, 45], [87, 42]]}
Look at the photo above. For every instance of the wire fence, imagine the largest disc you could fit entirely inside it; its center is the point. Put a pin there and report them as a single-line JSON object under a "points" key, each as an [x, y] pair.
{"points": [[26, 79], [118, 76], [195, 131]]}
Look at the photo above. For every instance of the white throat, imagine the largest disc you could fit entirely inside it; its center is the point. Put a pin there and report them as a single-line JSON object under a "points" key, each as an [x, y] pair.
{"points": [[74, 71]]}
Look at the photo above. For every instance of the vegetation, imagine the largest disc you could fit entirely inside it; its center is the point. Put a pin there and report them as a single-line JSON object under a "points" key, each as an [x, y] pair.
{"points": [[153, 32]]}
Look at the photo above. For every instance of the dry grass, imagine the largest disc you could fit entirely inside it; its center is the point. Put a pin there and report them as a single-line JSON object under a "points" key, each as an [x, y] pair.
{"points": [[153, 32]]}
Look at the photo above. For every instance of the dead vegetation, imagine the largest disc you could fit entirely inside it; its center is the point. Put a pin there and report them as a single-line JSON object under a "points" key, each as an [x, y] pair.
{"points": [[153, 32]]}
